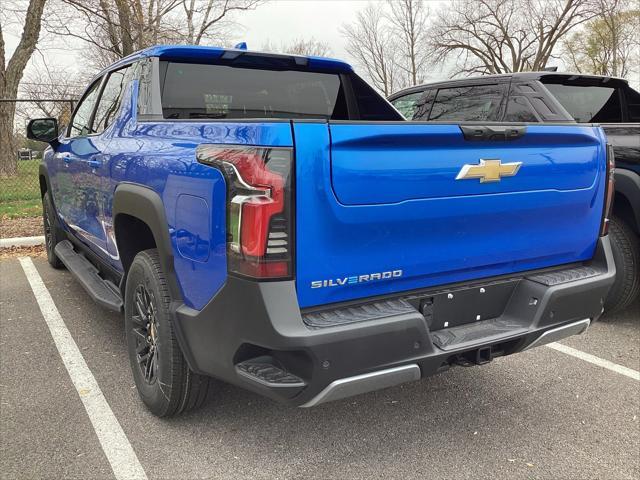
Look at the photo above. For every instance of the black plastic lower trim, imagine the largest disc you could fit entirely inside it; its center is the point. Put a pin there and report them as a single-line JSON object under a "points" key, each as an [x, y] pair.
{"points": [[248, 319]]}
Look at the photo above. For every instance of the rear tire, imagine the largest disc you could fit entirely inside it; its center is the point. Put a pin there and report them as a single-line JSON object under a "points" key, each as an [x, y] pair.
{"points": [[52, 231], [164, 381], [626, 255]]}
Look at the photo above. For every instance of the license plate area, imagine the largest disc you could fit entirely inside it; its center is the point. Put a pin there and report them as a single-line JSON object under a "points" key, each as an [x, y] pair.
{"points": [[455, 307]]}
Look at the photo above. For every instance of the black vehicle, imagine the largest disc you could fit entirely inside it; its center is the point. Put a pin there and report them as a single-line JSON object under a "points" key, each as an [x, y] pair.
{"points": [[555, 97]]}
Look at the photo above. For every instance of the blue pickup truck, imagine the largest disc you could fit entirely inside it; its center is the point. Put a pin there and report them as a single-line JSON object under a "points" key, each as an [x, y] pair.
{"points": [[273, 222]]}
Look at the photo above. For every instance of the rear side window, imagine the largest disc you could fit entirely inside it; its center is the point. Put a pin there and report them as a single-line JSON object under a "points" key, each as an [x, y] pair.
{"points": [[519, 109], [588, 104], [191, 91], [633, 105], [472, 103], [371, 105], [407, 104]]}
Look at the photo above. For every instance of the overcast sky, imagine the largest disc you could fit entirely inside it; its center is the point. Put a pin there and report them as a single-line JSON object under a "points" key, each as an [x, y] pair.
{"points": [[285, 20]]}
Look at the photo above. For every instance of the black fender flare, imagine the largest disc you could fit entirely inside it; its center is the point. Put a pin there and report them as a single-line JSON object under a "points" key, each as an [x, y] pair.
{"points": [[145, 204], [628, 185], [43, 172]]}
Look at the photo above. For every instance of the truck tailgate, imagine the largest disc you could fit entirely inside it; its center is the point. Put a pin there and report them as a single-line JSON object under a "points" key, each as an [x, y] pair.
{"points": [[381, 207]]}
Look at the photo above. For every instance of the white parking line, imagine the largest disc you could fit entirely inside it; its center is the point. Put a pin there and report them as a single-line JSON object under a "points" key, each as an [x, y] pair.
{"points": [[114, 442], [614, 367]]}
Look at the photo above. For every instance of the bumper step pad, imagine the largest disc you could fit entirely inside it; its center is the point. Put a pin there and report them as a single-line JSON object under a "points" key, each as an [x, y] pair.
{"points": [[360, 313], [564, 276], [480, 332], [266, 371]]}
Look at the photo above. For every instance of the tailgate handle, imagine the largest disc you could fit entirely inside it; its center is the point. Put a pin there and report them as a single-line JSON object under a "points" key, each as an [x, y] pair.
{"points": [[496, 133]]}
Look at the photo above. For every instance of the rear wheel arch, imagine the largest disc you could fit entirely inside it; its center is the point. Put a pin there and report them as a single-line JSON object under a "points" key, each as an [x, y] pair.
{"points": [[133, 235], [140, 223]]}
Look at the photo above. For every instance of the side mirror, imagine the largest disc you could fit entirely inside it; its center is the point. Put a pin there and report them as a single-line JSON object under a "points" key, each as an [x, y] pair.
{"points": [[43, 130]]}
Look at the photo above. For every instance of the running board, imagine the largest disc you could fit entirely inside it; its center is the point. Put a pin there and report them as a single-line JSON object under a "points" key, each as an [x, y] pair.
{"points": [[103, 292]]}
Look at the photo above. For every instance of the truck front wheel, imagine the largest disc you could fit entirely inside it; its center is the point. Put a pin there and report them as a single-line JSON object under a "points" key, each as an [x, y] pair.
{"points": [[164, 381], [51, 231], [626, 255]]}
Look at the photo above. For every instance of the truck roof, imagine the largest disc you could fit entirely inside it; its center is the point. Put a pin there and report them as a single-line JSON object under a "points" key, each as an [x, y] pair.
{"points": [[197, 53], [516, 75]]}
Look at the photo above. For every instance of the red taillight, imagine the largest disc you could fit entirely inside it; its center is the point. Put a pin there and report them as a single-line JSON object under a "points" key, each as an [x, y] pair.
{"points": [[609, 191], [258, 207]]}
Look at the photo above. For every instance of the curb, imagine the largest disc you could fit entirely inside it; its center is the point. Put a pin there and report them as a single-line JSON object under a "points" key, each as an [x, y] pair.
{"points": [[21, 241]]}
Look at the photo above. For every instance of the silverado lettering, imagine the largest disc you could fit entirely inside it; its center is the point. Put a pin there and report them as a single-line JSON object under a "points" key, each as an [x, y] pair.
{"points": [[355, 279]]}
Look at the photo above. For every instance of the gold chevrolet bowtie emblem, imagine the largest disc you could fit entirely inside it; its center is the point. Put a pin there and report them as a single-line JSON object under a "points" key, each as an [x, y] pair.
{"points": [[489, 170]]}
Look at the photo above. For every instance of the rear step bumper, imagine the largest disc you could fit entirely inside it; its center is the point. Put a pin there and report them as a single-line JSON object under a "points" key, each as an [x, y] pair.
{"points": [[254, 335]]}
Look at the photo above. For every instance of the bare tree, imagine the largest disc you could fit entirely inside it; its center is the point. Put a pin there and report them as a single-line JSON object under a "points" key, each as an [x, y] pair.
{"points": [[41, 86], [11, 73], [609, 44], [116, 28], [310, 47], [299, 46], [370, 41], [499, 36], [389, 41], [409, 23], [204, 16]]}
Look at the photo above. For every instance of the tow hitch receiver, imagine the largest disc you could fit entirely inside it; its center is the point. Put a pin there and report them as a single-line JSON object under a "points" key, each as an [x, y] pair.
{"points": [[484, 355], [474, 357]]}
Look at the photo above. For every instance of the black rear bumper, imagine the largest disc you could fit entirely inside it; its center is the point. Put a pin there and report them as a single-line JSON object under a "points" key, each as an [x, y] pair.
{"points": [[255, 336]]}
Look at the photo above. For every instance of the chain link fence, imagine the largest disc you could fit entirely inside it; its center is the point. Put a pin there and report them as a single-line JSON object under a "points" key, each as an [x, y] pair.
{"points": [[19, 183], [20, 193]]}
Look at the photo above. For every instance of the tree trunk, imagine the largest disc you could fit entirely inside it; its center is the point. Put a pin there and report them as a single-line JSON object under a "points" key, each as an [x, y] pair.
{"points": [[10, 76], [8, 152], [126, 33]]}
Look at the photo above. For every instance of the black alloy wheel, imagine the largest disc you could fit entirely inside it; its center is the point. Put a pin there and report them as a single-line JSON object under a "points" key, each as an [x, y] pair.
{"points": [[165, 383], [145, 332]]}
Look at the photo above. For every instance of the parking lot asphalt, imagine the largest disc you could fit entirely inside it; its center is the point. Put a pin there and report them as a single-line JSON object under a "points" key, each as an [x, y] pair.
{"points": [[539, 414]]}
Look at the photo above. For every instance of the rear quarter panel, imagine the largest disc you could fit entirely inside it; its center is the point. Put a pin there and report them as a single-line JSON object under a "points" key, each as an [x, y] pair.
{"points": [[161, 156]]}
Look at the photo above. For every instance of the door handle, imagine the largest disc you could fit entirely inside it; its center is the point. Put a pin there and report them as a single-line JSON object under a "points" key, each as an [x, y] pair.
{"points": [[96, 161], [66, 158]]}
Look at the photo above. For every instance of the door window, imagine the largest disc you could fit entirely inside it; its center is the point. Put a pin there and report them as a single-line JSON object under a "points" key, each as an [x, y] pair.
{"points": [[407, 104], [110, 99], [80, 123], [472, 103]]}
